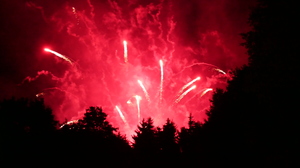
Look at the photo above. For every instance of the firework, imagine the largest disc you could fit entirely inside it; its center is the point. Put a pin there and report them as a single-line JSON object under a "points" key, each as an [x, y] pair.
{"points": [[205, 91], [138, 99], [39, 94], [59, 55], [221, 71], [188, 84], [158, 58], [68, 123], [125, 51], [144, 90], [161, 79], [185, 93], [122, 116]]}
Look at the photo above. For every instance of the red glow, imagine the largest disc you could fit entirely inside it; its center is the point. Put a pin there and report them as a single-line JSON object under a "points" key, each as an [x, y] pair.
{"points": [[165, 59]]}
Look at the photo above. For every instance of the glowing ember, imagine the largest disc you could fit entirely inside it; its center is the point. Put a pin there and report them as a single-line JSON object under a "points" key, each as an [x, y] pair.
{"points": [[39, 94]]}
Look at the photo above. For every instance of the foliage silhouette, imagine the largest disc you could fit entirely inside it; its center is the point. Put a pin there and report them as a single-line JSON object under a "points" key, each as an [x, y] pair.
{"points": [[26, 116], [95, 136], [28, 130], [145, 140], [168, 139], [253, 123]]}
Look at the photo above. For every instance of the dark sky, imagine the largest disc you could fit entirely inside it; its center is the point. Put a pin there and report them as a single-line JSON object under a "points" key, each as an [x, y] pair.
{"points": [[91, 32]]}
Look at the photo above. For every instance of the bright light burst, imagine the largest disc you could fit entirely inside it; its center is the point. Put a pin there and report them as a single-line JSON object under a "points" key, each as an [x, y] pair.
{"points": [[161, 70]]}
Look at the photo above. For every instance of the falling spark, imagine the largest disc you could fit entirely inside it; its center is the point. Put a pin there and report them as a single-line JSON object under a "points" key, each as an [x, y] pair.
{"points": [[161, 78], [125, 51], [219, 70], [75, 13], [205, 91], [59, 55], [188, 84], [68, 123], [184, 93], [121, 115], [39, 94], [138, 99], [144, 89]]}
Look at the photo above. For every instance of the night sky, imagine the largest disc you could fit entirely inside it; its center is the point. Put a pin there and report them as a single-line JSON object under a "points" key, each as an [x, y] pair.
{"points": [[192, 38]]}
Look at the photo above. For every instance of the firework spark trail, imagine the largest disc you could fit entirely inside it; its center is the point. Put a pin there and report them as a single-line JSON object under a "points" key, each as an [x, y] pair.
{"points": [[125, 51], [202, 90], [138, 99], [185, 93], [122, 116], [39, 94], [188, 84], [145, 91], [53, 88], [221, 71], [59, 55], [75, 14], [194, 64], [158, 37], [161, 79], [69, 122], [205, 91]]}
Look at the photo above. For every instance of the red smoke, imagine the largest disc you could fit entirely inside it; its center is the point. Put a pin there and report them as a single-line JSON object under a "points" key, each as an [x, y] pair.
{"points": [[194, 38]]}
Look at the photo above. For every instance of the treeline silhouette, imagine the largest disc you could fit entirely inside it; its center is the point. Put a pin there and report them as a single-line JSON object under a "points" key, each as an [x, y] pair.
{"points": [[253, 123]]}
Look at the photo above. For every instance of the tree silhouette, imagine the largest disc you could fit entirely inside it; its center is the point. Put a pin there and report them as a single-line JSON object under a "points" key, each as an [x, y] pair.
{"points": [[168, 139], [145, 140], [253, 122], [28, 131], [96, 140], [190, 141], [146, 144], [24, 116]]}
